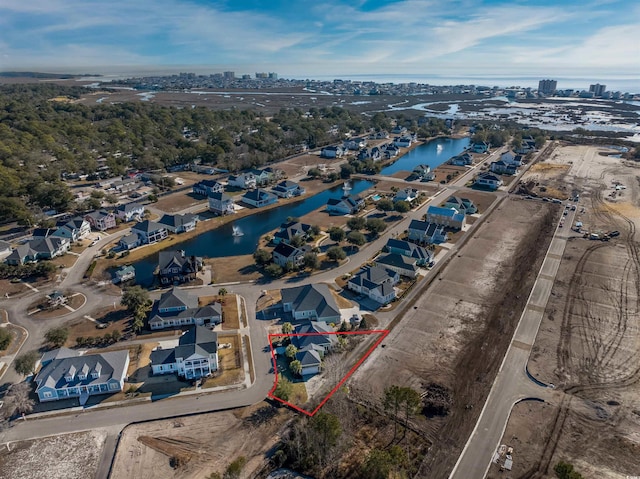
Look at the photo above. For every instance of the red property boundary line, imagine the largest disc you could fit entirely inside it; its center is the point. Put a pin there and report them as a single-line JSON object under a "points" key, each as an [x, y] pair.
{"points": [[383, 334]]}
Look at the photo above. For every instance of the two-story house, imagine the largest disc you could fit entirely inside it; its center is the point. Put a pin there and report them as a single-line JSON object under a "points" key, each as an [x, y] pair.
{"points": [[463, 205], [423, 256], [221, 204], [101, 220], [313, 301], [406, 194], [290, 230], [259, 198], [243, 180], [149, 232], [288, 189], [403, 265], [376, 282], [332, 152], [195, 356], [206, 187], [130, 211], [284, 254], [425, 232], [178, 308], [176, 267], [179, 223], [74, 230], [347, 205], [67, 374], [489, 181], [446, 216]]}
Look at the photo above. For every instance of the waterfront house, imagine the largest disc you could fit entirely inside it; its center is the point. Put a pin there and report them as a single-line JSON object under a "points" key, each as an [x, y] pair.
{"points": [[488, 180], [129, 241], [176, 267], [125, 273], [130, 211], [243, 180], [290, 230], [480, 147], [375, 282], [149, 232], [177, 307], [391, 151], [179, 223], [313, 301], [287, 189], [421, 171], [69, 374], [423, 256], [464, 159], [101, 220], [463, 205], [285, 254], [332, 152], [259, 198], [403, 265], [446, 216], [402, 141], [221, 204], [345, 206], [206, 187], [425, 232], [195, 356]]}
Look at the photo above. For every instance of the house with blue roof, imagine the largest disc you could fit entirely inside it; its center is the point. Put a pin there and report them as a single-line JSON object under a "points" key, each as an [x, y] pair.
{"points": [[259, 198], [449, 217]]}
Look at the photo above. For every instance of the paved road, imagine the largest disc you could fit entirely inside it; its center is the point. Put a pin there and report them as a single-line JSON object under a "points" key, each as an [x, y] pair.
{"points": [[512, 384]]}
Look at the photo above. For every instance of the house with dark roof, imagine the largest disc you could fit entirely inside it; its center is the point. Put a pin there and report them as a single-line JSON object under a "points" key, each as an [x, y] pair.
{"points": [[463, 159], [290, 230], [503, 168], [178, 308], [179, 223], [259, 198], [129, 241], [403, 265], [221, 204], [149, 232], [130, 211], [75, 229], [288, 189], [68, 374], [176, 267], [446, 216], [345, 206], [425, 232], [206, 187], [101, 220], [489, 181], [375, 282], [263, 177], [406, 194], [311, 362], [423, 256], [480, 147], [37, 249], [463, 205], [402, 141], [195, 356], [312, 301], [354, 144], [314, 336], [285, 254]]}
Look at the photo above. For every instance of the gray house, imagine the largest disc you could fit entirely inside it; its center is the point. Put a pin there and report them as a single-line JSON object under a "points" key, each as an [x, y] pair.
{"points": [[196, 355], [179, 223], [313, 301], [221, 204], [68, 374], [284, 254], [423, 256], [178, 308]]}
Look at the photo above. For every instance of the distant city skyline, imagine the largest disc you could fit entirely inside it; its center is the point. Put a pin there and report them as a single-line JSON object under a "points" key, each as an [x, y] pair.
{"points": [[595, 40]]}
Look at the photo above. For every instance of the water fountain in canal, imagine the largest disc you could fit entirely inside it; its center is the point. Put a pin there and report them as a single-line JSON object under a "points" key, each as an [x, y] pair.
{"points": [[237, 231]]}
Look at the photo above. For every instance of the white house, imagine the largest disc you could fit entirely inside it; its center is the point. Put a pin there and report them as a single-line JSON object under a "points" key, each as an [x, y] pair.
{"points": [[75, 229], [446, 216], [130, 211], [332, 152], [406, 194], [196, 355], [221, 204], [177, 307], [243, 180], [345, 206], [489, 181]]}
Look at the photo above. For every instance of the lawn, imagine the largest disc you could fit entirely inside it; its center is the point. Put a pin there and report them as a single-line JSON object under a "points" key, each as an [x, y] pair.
{"points": [[230, 311]]}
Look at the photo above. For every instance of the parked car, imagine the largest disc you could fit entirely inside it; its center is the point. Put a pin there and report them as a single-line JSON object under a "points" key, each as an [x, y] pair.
{"points": [[613, 234]]}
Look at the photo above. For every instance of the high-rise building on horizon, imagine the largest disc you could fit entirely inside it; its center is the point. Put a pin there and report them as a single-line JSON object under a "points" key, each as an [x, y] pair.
{"points": [[547, 87], [262, 75], [273, 76], [229, 75], [597, 89]]}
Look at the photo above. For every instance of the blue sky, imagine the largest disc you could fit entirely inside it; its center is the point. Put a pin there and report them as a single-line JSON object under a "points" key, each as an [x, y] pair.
{"points": [[300, 38]]}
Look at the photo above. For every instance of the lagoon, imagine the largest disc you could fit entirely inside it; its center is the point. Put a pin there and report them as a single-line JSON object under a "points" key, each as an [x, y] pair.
{"points": [[434, 153], [221, 241]]}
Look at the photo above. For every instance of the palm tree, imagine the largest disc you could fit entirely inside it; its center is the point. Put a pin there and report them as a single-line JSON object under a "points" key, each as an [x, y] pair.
{"points": [[296, 367], [287, 328]]}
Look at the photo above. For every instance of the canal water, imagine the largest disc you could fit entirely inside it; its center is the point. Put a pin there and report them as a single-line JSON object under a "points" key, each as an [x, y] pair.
{"points": [[434, 153], [221, 241]]}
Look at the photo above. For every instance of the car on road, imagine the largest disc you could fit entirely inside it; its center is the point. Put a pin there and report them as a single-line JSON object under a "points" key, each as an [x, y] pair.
{"points": [[93, 243], [613, 234], [565, 213], [546, 199]]}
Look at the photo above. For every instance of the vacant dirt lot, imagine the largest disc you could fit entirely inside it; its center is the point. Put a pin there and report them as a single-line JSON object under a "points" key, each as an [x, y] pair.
{"points": [[204, 443], [76, 457], [588, 343], [440, 344]]}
